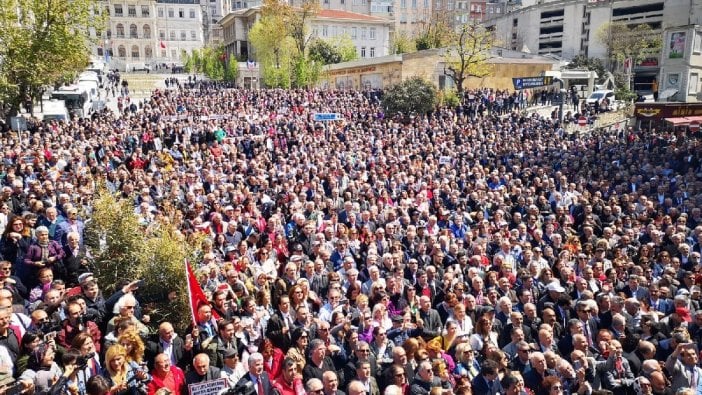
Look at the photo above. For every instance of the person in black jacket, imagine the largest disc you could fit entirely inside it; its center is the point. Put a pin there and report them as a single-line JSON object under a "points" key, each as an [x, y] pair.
{"points": [[256, 381], [202, 371], [181, 352]]}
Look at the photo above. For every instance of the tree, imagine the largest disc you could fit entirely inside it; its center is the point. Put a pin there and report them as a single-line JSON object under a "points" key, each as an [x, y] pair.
{"points": [[337, 50], [623, 41], [210, 61], [591, 64], [437, 33], [468, 54], [126, 249], [412, 96], [403, 43], [43, 41]]}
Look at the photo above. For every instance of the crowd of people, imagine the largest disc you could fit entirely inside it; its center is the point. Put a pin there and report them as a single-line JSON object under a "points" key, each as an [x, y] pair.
{"points": [[454, 252]]}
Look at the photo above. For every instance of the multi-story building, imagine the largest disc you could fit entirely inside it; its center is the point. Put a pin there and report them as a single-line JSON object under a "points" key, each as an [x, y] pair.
{"points": [[567, 28], [371, 35], [681, 64], [142, 32]]}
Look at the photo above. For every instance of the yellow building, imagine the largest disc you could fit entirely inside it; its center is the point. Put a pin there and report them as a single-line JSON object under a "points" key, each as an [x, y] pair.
{"points": [[386, 71]]}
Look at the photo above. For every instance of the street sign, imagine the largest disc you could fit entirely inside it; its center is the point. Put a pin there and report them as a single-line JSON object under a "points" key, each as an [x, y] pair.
{"points": [[531, 82], [694, 126], [582, 121], [327, 116]]}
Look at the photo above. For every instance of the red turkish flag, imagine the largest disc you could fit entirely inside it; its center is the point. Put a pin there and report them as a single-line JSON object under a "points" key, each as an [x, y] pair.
{"points": [[196, 296]]}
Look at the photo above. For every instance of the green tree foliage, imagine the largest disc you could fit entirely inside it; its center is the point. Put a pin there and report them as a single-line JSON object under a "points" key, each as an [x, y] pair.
{"points": [[280, 40], [623, 41], [41, 42], [412, 96], [125, 249], [591, 64], [337, 50], [210, 61], [468, 54], [403, 43], [437, 33]]}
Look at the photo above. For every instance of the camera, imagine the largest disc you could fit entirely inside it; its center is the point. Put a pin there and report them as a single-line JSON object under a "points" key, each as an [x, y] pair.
{"points": [[82, 361]]}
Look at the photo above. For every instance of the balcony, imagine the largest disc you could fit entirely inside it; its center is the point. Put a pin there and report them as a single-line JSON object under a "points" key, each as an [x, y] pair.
{"points": [[544, 38], [549, 22], [643, 17]]}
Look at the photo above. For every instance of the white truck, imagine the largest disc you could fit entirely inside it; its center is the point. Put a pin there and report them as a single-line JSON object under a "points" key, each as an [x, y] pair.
{"points": [[55, 110]]}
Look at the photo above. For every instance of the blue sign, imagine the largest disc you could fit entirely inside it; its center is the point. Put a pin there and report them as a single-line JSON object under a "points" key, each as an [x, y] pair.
{"points": [[531, 82], [327, 116]]}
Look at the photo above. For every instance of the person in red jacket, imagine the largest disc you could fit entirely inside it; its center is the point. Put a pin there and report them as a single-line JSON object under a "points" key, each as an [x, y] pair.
{"points": [[290, 382], [165, 375], [272, 359]]}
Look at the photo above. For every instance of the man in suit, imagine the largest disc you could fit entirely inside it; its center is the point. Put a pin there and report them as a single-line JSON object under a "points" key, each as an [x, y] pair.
{"points": [[256, 381], [363, 376], [588, 323], [279, 325], [487, 382], [71, 224], [202, 371], [617, 374], [657, 302], [430, 323], [633, 290], [534, 377], [167, 342], [682, 366]]}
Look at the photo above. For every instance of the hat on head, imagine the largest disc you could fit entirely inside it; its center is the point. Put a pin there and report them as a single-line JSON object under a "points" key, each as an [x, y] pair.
{"points": [[397, 319], [555, 287], [230, 353], [84, 277]]}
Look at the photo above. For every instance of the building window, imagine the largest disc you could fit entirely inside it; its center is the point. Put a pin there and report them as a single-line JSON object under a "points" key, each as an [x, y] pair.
{"points": [[403, 3], [160, 12], [692, 84], [173, 36], [193, 35], [145, 12], [163, 53], [147, 31], [372, 52], [325, 31], [131, 10], [121, 51], [414, 4], [107, 10], [181, 13], [698, 42], [363, 52], [372, 33], [183, 36], [120, 30], [118, 10], [364, 33], [354, 32], [192, 14], [108, 33], [161, 34], [148, 52], [426, 3], [133, 31], [135, 52], [171, 13]]}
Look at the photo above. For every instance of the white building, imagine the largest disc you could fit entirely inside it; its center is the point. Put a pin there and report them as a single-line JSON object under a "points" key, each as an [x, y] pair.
{"points": [[567, 28], [681, 64], [371, 35], [144, 32]]}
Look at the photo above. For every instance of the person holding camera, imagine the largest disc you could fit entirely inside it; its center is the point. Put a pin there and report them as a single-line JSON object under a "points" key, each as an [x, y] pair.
{"points": [[125, 377], [75, 324]]}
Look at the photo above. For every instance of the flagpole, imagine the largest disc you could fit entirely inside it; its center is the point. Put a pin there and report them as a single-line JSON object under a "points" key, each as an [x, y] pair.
{"points": [[188, 271]]}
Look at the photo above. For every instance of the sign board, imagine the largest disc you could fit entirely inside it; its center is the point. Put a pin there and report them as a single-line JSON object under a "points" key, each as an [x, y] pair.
{"points": [[18, 124], [208, 388], [327, 116], [694, 126], [531, 82], [444, 160], [582, 121], [654, 111]]}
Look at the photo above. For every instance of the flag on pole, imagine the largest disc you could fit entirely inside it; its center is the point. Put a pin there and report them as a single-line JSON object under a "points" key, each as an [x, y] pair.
{"points": [[162, 44], [196, 296], [250, 64]]}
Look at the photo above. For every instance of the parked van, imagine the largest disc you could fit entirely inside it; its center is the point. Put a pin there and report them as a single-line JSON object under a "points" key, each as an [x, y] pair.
{"points": [[55, 110]]}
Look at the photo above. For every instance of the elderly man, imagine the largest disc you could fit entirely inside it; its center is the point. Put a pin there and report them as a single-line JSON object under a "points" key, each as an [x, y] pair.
{"points": [[682, 366], [202, 371], [166, 375], [256, 382], [331, 383], [167, 342]]}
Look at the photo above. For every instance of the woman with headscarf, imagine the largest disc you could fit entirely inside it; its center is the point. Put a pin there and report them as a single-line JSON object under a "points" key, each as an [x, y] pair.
{"points": [[44, 252], [42, 370]]}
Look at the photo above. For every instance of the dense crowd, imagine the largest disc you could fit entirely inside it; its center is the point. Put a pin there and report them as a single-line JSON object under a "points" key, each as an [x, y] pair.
{"points": [[451, 252]]}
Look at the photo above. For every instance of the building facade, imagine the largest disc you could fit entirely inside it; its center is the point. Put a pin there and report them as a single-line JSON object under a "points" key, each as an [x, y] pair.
{"points": [[145, 32], [681, 64], [371, 35]]}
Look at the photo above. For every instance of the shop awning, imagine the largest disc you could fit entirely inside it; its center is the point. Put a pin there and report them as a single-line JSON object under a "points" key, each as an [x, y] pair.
{"points": [[680, 121]]}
